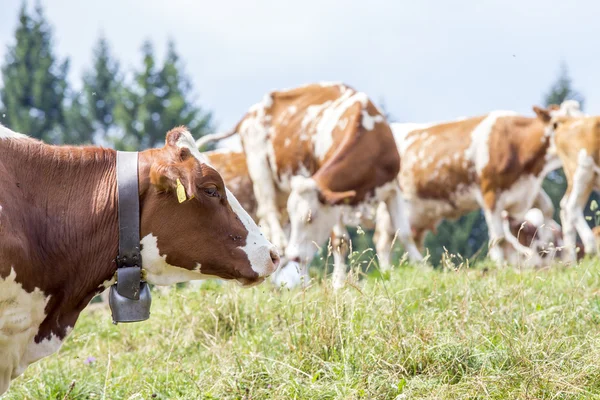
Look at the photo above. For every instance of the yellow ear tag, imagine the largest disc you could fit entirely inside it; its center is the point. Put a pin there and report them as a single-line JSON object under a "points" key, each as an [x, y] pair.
{"points": [[180, 192]]}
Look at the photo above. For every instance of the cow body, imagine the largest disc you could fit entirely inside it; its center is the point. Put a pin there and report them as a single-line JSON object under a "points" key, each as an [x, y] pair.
{"points": [[577, 144], [59, 234], [327, 151], [495, 162]]}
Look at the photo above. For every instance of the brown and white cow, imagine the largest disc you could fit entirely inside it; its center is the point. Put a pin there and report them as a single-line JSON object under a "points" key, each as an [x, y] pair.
{"points": [[59, 234], [495, 162], [325, 150], [577, 143]]}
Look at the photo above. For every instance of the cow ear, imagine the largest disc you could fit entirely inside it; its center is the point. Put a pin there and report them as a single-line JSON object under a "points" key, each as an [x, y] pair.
{"points": [[175, 135], [542, 114], [335, 198], [176, 174]]}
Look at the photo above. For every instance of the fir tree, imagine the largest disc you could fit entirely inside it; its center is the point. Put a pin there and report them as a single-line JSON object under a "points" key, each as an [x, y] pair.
{"points": [[157, 100]]}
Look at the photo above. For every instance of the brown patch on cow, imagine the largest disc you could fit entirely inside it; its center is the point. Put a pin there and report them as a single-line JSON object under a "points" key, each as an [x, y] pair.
{"points": [[435, 161], [372, 162], [518, 148]]}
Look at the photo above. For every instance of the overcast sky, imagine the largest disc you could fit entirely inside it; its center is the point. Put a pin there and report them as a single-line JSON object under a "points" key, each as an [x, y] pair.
{"points": [[428, 60]]}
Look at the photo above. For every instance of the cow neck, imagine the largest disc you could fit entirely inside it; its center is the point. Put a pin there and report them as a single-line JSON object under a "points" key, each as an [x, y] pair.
{"points": [[129, 297]]}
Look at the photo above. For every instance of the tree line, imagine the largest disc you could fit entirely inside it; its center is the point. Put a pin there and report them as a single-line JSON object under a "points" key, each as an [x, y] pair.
{"points": [[132, 110], [126, 110]]}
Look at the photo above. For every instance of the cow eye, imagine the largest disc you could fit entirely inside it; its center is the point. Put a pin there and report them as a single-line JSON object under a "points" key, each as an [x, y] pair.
{"points": [[212, 191]]}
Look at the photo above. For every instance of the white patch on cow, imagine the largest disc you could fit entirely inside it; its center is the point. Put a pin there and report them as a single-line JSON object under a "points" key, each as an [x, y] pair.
{"points": [[369, 121], [257, 247], [158, 271], [519, 198], [292, 109], [6, 133], [399, 214], [37, 351], [287, 142], [478, 151], [535, 217], [570, 108], [21, 314], [307, 125], [323, 138], [260, 159], [583, 176]]}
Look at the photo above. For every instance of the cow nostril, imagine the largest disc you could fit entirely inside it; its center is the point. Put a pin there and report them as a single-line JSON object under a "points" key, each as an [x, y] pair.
{"points": [[275, 258]]}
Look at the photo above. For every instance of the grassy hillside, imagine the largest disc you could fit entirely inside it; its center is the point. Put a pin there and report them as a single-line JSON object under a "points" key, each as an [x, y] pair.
{"points": [[468, 333]]}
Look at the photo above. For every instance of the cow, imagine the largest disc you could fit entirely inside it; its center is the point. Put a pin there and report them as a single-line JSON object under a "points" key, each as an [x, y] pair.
{"points": [[327, 150], [577, 144], [495, 162], [59, 234]]}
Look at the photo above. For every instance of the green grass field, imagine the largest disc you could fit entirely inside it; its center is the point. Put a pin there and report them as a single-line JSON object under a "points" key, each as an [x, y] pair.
{"points": [[418, 333]]}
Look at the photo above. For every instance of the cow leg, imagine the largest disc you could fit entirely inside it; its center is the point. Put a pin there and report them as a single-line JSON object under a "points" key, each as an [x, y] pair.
{"points": [[568, 229], [496, 233], [572, 205], [396, 207], [266, 198], [383, 236], [513, 240], [339, 240]]}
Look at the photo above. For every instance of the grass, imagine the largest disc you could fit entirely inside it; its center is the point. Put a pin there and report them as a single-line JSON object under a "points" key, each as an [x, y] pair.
{"points": [[473, 333]]}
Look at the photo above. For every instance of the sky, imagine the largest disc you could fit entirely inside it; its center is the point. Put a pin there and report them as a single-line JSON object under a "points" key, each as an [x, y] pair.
{"points": [[425, 60]]}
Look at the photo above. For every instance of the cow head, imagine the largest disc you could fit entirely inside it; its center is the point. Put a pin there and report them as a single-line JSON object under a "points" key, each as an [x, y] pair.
{"points": [[192, 227], [556, 115], [312, 212]]}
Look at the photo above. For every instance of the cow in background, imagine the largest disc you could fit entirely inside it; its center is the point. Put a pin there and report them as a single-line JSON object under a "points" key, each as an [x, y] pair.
{"points": [[494, 162], [576, 141]]}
